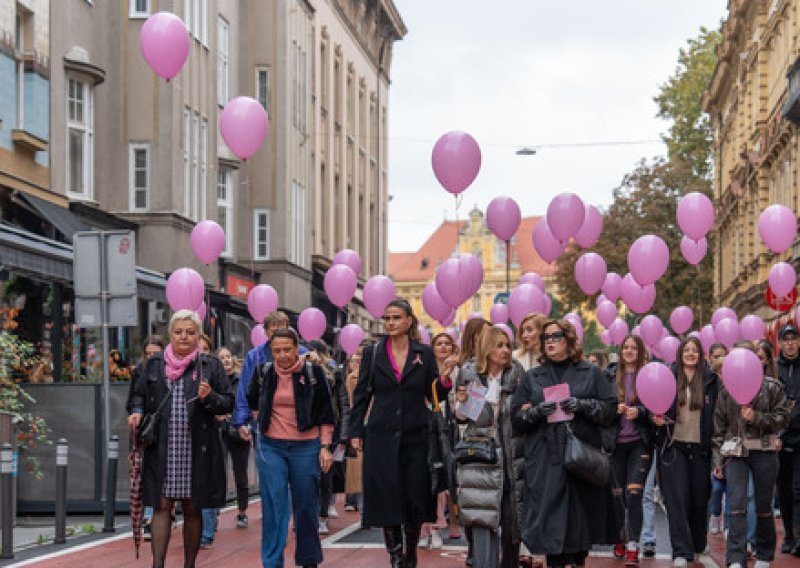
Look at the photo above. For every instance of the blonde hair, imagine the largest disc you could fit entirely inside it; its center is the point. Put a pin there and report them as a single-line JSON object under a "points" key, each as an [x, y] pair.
{"points": [[184, 315], [489, 340], [538, 323]]}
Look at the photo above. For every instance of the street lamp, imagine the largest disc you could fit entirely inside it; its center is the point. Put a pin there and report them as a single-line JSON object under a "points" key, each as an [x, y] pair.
{"points": [[526, 151]]}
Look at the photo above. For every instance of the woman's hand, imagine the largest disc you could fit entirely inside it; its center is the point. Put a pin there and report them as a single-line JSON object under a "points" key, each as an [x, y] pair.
{"points": [[448, 366], [244, 433], [461, 394], [134, 420], [325, 459], [631, 412], [659, 420], [357, 444], [621, 408], [747, 413], [203, 390], [718, 473]]}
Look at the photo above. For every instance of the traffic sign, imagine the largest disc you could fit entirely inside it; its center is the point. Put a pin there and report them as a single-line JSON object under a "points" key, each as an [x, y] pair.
{"points": [[782, 304]]}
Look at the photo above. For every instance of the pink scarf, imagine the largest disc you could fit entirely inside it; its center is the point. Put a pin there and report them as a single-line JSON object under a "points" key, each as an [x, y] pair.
{"points": [[176, 366], [284, 374]]}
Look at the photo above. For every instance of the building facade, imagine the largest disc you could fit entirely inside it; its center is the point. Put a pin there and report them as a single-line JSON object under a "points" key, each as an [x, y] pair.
{"points": [[412, 271], [756, 146]]}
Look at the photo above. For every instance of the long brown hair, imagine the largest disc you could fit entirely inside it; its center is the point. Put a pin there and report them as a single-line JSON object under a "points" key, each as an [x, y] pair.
{"points": [[641, 359], [574, 349], [413, 331], [696, 386], [474, 328]]}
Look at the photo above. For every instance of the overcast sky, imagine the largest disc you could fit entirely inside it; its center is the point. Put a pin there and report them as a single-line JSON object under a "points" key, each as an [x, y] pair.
{"points": [[528, 73]]}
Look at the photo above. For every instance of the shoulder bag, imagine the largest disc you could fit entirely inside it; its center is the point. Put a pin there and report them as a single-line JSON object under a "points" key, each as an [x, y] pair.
{"points": [[147, 432], [477, 449]]}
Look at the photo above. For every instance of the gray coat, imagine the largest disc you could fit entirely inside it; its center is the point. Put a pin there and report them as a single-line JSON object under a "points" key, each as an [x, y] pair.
{"points": [[480, 486]]}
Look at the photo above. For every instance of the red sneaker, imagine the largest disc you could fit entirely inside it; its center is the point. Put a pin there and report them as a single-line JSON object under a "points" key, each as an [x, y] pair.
{"points": [[619, 551], [632, 557]]}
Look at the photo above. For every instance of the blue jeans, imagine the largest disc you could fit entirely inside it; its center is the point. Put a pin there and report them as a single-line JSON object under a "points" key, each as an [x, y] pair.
{"points": [[286, 466], [209, 525], [648, 505]]}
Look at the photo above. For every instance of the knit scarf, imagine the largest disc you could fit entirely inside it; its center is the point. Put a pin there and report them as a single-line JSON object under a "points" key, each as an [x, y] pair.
{"points": [[176, 366], [284, 374]]}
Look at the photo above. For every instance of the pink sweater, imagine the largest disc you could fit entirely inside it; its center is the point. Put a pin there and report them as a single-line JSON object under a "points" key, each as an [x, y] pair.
{"points": [[283, 425]]}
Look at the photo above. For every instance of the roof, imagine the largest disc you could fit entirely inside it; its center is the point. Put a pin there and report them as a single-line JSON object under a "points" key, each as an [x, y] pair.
{"points": [[421, 265]]}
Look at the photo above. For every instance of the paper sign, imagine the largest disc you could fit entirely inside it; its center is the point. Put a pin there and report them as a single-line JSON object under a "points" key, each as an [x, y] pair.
{"points": [[476, 400], [557, 393], [338, 453]]}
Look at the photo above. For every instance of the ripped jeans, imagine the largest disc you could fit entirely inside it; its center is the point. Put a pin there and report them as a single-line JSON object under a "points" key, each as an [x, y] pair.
{"points": [[630, 464]]}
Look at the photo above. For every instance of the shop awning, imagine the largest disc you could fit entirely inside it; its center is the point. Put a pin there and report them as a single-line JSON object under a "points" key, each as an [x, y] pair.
{"points": [[62, 219]]}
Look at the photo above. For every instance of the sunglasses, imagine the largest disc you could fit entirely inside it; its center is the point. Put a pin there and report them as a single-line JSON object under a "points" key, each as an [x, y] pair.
{"points": [[557, 336]]}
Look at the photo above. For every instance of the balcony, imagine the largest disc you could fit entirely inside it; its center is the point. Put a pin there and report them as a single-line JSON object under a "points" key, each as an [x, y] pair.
{"points": [[25, 140]]}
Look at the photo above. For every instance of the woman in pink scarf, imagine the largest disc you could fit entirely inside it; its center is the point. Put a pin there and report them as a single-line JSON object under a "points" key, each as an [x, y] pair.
{"points": [[184, 390]]}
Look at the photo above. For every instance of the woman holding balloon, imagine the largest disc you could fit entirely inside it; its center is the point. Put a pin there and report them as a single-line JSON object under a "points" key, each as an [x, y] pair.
{"points": [[684, 435], [746, 428]]}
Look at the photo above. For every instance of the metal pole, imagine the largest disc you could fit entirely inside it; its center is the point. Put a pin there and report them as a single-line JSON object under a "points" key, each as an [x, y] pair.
{"points": [[104, 316], [7, 488], [111, 484], [62, 452], [508, 269]]}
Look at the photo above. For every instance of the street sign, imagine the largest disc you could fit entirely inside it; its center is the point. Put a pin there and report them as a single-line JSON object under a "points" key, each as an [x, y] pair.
{"points": [[501, 298], [782, 304]]}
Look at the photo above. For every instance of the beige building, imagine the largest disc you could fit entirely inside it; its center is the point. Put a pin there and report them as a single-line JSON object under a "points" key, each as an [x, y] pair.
{"points": [[752, 106]]}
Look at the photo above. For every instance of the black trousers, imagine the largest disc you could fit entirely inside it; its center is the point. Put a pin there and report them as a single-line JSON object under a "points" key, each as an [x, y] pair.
{"points": [[239, 451], [325, 493], [685, 471], [763, 466], [789, 493], [630, 464]]}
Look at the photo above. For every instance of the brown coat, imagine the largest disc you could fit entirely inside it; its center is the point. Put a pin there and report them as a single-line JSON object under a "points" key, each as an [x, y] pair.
{"points": [[352, 477]]}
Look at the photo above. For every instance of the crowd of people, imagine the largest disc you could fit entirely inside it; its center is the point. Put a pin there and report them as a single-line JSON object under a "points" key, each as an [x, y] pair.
{"points": [[553, 452]]}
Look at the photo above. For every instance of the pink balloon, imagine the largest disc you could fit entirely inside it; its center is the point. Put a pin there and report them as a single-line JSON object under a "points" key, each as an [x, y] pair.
{"points": [[636, 331], [777, 226], [378, 292], [656, 387], [605, 337], [474, 270], [721, 314], [350, 338], [453, 335], [449, 319], [532, 278], [612, 287], [742, 375], [576, 322], [525, 299], [752, 328], [638, 298], [311, 324], [208, 241], [601, 298], [498, 313], [433, 303], [782, 278], [668, 348], [456, 161], [475, 315], [590, 272], [695, 215], [262, 300], [618, 330], [606, 313], [681, 319], [164, 43], [453, 282], [258, 336], [185, 289], [727, 332], [707, 337], [506, 329], [424, 336], [651, 329], [648, 259], [503, 217], [202, 311], [351, 259], [565, 215], [545, 243], [340, 284], [693, 251], [244, 126], [589, 233], [548, 304]]}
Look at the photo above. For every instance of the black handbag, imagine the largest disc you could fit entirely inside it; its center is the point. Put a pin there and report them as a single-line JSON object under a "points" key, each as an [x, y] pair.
{"points": [[477, 449], [586, 462], [147, 432]]}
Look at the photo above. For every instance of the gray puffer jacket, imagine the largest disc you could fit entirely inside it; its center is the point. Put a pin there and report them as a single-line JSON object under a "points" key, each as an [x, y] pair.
{"points": [[480, 486]]}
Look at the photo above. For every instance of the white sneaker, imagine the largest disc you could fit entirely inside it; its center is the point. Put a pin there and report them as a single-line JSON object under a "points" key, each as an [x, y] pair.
{"points": [[424, 542], [761, 564], [323, 527], [332, 512], [436, 539], [715, 524], [681, 562], [735, 565]]}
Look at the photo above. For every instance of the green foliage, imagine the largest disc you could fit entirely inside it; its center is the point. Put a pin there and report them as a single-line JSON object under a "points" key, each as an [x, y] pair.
{"points": [[88, 529]]}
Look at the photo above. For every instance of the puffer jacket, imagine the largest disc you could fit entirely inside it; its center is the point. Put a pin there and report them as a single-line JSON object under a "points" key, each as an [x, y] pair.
{"points": [[770, 416], [480, 486]]}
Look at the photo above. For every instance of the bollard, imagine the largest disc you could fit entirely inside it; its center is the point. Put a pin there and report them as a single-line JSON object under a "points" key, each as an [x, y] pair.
{"points": [[7, 488], [62, 450], [111, 483]]}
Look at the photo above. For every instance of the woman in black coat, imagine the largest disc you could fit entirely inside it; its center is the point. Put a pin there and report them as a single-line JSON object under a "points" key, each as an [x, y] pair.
{"points": [[395, 377], [563, 515], [187, 390]]}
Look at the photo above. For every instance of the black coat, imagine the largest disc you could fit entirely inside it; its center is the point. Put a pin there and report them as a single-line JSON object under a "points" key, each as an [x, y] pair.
{"points": [[562, 514], [789, 375], [208, 458], [395, 475]]}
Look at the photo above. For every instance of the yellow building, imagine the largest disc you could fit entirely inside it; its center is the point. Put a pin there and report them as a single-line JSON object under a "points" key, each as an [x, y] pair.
{"points": [[412, 271], [756, 147]]}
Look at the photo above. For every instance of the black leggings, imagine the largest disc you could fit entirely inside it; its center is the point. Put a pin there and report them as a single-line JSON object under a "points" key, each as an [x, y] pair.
{"points": [[240, 453], [630, 464], [161, 530]]}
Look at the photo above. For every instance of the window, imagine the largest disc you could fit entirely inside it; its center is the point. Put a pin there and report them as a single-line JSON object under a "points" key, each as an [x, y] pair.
{"points": [[139, 8], [262, 86], [193, 202], [139, 176], [298, 216], [80, 138], [203, 193], [476, 303], [261, 234], [222, 61], [225, 207], [187, 15], [187, 163], [203, 25]]}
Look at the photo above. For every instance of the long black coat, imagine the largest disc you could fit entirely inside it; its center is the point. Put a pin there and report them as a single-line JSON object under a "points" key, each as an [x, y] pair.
{"points": [[395, 475], [562, 514], [208, 458]]}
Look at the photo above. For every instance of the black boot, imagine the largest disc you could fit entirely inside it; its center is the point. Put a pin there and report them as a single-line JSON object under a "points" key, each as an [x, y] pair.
{"points": [[412, 538], [470, 557], [393, 537]]}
